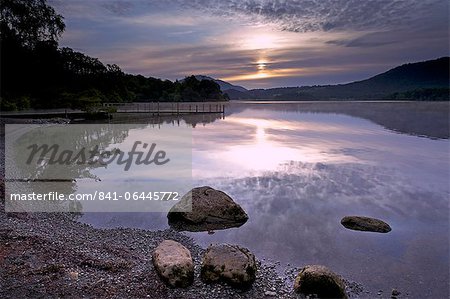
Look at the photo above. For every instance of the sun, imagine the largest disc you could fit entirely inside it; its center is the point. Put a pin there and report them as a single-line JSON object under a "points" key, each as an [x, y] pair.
{"points": [[261, 64]]}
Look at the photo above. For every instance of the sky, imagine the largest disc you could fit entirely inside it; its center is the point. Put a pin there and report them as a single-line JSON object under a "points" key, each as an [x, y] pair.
{"points": [[257, 43]]}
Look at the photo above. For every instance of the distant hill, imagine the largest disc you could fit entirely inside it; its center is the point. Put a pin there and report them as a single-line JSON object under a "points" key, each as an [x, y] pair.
{"points": [[428, 80], [224, 86]]}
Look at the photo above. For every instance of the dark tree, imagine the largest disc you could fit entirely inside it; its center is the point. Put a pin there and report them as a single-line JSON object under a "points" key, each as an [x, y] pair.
{"points": [[30, 21], [36, 73]]}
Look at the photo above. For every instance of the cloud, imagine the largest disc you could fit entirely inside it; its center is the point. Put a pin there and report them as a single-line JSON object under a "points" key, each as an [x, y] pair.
{"points": [[324, 15], [302, 15], [175, 62], [120, 7], [375, 39], [301, 42]]}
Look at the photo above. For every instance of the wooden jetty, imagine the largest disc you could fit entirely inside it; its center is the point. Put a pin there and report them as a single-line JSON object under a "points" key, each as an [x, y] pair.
{"points": [[158, 108], [150, 108]]}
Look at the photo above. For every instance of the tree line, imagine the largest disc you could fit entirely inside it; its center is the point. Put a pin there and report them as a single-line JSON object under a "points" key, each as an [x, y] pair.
{"points": [[37, 73]]}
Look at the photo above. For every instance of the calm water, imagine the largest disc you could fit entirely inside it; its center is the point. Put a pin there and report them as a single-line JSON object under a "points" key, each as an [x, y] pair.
{"points": [[298, 173]]}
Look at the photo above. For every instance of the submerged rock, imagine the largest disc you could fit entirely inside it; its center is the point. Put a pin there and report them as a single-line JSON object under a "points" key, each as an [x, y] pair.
{"points": [[319, 280], [211, 210], [395, 293], [174, 264], [365, 224], [232, 264]]}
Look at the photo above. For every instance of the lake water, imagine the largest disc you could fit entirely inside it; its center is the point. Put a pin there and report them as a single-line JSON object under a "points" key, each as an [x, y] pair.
{"points": [[297, 171]]}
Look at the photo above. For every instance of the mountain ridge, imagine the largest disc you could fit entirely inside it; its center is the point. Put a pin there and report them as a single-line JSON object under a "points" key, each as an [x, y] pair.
{"points": [[224, 86], [419, 80]]}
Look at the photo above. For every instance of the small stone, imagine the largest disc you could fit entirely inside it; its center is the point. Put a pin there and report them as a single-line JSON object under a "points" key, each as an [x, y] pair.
{"points": [[395, 293], [232, 264], [365, 224], [174, 264], [319, 280], [270, 293], [73, 275]]}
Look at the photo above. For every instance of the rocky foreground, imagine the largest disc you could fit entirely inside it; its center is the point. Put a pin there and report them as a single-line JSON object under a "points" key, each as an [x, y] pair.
{"points": [[53, 256], [50, 255]]}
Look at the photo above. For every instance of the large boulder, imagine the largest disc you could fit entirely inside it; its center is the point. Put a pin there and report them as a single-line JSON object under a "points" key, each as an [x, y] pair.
{"points": [[319, 280], [229, 263], [365, 224], [174, 264], [206, 209]]}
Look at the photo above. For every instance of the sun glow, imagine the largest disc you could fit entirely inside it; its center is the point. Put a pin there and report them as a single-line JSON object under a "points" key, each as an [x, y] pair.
{"points": [[261, 41], [265, 46]]}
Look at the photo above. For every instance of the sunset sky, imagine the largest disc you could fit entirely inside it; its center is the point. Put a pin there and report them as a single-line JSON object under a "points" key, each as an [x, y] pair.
{"points": [[257, 43]]}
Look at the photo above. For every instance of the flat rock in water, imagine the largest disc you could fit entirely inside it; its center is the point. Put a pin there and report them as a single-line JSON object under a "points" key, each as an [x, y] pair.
{"points": [[320, 281], [229, 263], [174, 264], [365, 224], [211, 209]]}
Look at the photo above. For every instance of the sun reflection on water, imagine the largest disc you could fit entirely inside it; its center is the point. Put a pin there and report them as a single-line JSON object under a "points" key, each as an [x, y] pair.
{"points": [[270, 145]]}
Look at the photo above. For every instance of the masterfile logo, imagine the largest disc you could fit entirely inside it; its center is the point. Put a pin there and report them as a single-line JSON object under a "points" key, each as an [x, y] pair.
{"points": [[101, 167], [56, 155]]}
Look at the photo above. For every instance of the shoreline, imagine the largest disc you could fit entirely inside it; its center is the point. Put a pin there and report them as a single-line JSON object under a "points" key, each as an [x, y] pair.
{"points": [[51, 255]]}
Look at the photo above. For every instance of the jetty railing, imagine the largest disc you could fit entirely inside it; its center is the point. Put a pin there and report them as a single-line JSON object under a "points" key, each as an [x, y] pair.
{"points": [[168, 107]]}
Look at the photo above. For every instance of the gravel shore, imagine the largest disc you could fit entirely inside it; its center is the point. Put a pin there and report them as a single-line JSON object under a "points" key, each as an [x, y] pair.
{"points": [[52, 256]]}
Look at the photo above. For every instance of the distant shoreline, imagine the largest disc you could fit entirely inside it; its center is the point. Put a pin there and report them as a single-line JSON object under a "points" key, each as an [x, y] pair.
{"points": [[271, 101], [418, 118]]}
